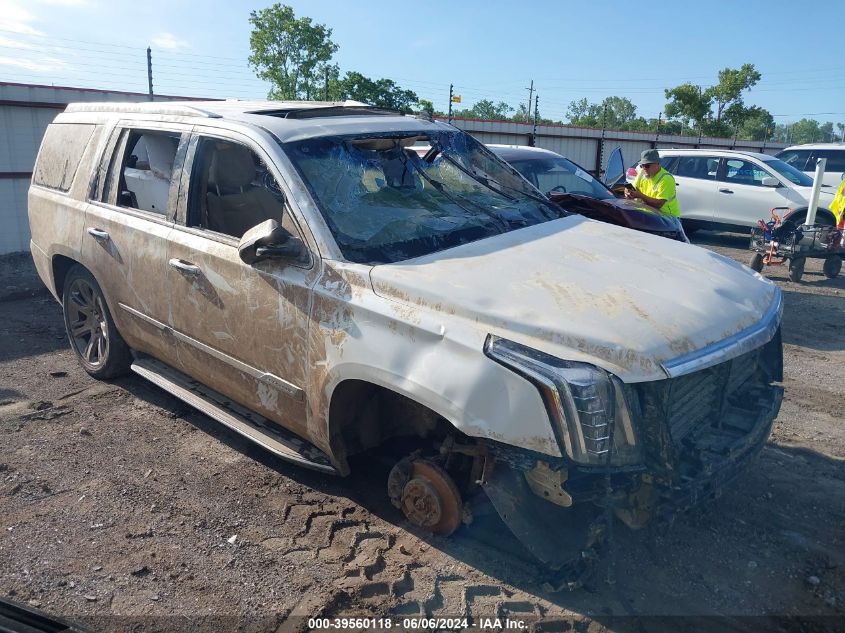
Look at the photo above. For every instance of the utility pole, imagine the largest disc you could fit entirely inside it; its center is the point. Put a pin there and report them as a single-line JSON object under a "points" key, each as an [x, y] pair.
{"points": [[326, 89], [530, 94], [699, 123], [451, 91], [534, 131], [600, 145], [150, 71], [657, 133]]}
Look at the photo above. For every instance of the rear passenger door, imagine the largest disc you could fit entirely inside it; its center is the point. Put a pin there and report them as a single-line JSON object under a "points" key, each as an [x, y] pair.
{"points": [[695, 177], [127, 223], [240, 329]]}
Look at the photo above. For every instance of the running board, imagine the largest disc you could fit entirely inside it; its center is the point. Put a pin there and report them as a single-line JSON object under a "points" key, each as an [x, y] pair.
{"points": [[249, 424]]}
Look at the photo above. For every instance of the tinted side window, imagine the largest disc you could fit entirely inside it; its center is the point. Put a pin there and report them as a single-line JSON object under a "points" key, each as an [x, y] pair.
{"points": [[61, 152], [795, 157], [835, 159], [669, 163], [743, 172], [231, 189], [703, 167]]}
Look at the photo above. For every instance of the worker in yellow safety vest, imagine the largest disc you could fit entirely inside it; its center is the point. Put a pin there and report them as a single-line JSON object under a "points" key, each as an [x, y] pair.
{"points": [[838, 205], [654, 185]]}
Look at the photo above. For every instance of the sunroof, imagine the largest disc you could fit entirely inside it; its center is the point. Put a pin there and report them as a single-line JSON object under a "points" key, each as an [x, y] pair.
{"points": [[314, 113]]}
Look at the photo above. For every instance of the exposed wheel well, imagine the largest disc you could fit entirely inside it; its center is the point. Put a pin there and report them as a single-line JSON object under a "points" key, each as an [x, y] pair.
{"points": [[823, 216], [61, 266], [363, 415]]}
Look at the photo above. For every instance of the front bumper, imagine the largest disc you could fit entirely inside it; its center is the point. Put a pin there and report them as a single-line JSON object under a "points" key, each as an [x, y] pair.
{"points": [[699, 431]]}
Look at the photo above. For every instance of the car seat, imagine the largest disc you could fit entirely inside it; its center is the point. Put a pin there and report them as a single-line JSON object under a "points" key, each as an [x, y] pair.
{"points": [[234, 204]]}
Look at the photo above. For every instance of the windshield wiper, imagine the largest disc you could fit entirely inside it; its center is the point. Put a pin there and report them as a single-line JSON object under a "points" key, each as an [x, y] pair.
{"points": [[487, 183], [441, 188]]}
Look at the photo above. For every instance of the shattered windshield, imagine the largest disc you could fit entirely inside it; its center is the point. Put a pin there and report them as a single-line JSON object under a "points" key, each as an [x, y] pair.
{"points": [[385, 202]]}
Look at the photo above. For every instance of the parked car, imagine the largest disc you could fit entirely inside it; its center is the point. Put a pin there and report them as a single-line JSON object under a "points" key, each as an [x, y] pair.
{"points": [[734, 190], [314, 285], [803, 158], [570, 186]]}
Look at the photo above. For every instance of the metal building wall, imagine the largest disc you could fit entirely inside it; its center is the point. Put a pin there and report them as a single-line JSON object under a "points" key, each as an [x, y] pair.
{"points": [[25, 112]]}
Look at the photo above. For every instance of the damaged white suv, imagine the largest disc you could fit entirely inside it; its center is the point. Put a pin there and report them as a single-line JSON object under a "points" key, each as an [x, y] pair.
{"points": [[297, 273]]}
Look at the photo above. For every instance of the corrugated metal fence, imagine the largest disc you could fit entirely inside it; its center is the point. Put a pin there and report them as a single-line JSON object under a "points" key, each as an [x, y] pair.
{"points": [[591, 147], [25, 112]]}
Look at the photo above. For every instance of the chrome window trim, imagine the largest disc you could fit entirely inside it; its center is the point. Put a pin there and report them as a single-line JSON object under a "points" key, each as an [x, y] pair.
{"points": [[748, 339]]}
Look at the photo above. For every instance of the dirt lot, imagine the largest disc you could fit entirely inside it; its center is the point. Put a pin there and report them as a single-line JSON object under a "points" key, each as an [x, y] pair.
{"points": [[124, 509]]}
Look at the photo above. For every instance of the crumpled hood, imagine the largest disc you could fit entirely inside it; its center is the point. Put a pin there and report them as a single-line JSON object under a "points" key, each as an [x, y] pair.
{"points": [[587, 291]]}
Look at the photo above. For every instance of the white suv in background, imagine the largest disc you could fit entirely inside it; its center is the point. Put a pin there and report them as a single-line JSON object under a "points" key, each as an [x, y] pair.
{"points": [[803, 157], [730, 189]]}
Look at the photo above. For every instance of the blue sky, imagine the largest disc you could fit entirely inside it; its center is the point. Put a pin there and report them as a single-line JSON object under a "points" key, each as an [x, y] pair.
{"points": [[488, 50]]}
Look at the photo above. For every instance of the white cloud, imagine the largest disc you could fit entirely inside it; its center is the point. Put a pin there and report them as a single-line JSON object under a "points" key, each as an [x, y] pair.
{"points": [[16, 19], [169, 42], [43, 65], [8, 42]]}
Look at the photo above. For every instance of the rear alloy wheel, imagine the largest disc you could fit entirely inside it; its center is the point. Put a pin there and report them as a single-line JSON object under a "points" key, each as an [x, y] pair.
{"points": [[99, 347], [756, 262], [796, 269], [832, 266]]}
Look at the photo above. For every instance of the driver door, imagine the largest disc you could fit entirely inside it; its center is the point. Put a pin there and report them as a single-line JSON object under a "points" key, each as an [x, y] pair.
{"points": [[240, 329]]}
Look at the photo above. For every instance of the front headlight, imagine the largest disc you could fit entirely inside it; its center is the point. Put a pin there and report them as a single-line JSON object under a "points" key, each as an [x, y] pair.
{"points": [[584, 403]]}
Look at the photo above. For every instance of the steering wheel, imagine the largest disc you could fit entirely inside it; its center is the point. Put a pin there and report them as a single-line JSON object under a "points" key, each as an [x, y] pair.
{"points": [[558, 189]]}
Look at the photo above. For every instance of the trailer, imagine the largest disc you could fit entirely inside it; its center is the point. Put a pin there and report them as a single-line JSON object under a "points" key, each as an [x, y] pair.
{"points": [[774, 243]]}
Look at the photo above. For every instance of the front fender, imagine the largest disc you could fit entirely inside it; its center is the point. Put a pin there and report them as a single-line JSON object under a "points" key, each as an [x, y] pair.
{"points": [[436, 360]]}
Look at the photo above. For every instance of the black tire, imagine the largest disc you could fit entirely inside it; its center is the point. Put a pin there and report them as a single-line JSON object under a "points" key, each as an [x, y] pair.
{"points": [[756, 262], [690, 228], [832, 266], [823, 218], [796, 269], [98, 346]]}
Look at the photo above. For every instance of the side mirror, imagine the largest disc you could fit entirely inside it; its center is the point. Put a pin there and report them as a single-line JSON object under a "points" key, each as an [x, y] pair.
{"points": [[268, 240], [770, 181]]}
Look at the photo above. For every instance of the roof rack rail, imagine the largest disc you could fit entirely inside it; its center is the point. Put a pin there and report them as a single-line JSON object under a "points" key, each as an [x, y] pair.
{"points": [[173, 109]]}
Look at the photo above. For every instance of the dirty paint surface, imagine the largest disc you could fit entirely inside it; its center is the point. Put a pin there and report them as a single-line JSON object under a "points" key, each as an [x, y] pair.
{"points": [[587, 291]]}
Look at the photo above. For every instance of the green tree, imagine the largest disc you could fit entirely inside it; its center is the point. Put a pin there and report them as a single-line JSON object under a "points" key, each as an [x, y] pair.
{"points": [[732, 83], [688, 104], [426, 106], [383, 93], [754, 123], [485, 109], [717, 110], [583, 113], [291, 53], [617, 113], [804, 131]]}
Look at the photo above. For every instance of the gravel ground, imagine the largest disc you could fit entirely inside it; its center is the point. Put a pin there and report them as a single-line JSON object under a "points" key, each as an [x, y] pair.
{"points": [[124, 509]]}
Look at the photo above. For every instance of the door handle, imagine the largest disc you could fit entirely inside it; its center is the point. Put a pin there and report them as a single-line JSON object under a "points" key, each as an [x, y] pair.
{"points": [[725, 190], [186, 268], [99, 235]]}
